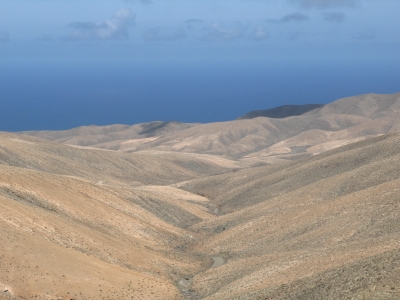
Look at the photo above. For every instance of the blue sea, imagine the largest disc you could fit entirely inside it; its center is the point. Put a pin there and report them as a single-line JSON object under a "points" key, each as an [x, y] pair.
{"points": [[54, 96]]}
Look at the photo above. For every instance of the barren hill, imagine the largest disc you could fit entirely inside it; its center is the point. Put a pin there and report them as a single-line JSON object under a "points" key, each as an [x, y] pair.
{"points": [[283, 111], [80, 224], [328, 225], [207, 211], [107, 166], [258, 140], [112, 135]]}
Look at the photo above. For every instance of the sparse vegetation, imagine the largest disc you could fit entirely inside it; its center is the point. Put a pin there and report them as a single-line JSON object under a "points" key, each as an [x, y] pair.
{"points": [[79, 223]]}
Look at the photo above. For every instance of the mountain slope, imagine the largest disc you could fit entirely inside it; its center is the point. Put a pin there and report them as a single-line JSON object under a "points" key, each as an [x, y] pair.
{"points": [[339, 122], [259, 140], [171, 217], [67, 237], [326, 225], [106, 166], [296, 223], [283, 111], [94, 135], [64, 237]]}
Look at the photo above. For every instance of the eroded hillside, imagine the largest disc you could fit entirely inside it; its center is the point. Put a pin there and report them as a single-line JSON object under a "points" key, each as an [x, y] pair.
{"points": [[207, 223], [287, 233], [65, 234], [255, 141]]}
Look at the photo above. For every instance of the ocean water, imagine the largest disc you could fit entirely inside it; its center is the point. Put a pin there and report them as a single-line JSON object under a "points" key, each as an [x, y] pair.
{"points": [[56, 96]]}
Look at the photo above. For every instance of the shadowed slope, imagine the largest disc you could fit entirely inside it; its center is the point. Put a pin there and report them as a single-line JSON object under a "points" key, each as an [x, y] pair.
{"points": [[254, 141], [301, 221], [83, 223], [336, 124], [75, 224], [106, 166], [112, 134], [375, 277], [248, 187], [105, 238], [283, 111], [65, 237], [285, 231]]}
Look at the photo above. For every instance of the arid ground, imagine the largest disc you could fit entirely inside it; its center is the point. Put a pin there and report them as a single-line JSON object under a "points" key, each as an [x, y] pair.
{"points": [[301, 207]]}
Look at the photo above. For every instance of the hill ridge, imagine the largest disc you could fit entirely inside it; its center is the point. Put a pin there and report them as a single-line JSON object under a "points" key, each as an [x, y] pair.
{"points": [[258, 140], [283, 111], [262, 208]]}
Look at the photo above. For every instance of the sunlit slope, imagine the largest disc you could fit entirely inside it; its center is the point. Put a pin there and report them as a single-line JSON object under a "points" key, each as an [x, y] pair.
{"points": [[111, 134], [147, 221], [106, 166], [247, 187], [373, 106], [336, 124], [289, 232], [79, 224], [66, 237]]}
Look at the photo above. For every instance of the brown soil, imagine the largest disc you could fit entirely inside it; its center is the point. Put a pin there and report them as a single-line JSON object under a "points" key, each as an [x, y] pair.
{"points": [[208, 211]]}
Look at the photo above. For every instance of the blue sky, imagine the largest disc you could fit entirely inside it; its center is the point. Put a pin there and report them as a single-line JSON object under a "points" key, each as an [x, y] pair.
{"points": [[81, 62], [115, 29]]}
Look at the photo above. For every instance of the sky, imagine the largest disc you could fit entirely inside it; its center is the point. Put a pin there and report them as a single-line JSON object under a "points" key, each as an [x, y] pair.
{"points": [[68, 63]]}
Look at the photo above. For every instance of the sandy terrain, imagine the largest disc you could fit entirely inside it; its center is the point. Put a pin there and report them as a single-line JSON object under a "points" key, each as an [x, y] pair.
{"points": [[251, 141], [305, 207]]}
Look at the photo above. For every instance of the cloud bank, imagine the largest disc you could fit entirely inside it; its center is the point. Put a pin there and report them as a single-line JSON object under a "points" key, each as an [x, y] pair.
{"points": [[261, 33], [115, 28], [326, 3], [146, 2], [193, 24], [219, 31], [296, 17]]}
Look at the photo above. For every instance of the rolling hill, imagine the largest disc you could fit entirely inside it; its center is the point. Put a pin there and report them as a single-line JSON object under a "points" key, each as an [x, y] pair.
{"points": [[327, 225], [255, 141], [304, 207], [283, 111]]}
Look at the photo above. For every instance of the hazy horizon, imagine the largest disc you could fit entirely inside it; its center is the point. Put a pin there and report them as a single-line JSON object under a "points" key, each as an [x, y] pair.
{"points": [[66, 64]]}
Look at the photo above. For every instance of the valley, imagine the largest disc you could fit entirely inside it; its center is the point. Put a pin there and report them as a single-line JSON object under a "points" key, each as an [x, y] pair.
{"points": [[300, 207]]}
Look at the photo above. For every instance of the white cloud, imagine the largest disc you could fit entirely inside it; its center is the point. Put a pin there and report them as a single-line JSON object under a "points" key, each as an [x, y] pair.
{"points": [[326, 3], [296, 17], [146, 2], [218, 31], [114, 28], [260, 33], [193, 24]]}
